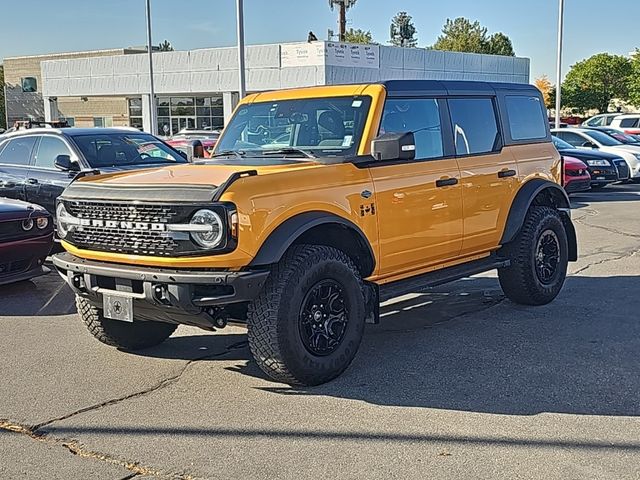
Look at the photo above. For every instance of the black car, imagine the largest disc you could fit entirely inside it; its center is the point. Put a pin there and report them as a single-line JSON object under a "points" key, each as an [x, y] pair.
{"points": [[604, 168], [37, 165], [26, 237]]}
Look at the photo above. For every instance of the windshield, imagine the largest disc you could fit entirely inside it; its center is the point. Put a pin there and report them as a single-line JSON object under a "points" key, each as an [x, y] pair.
{"points": [[561, 144], [120, 149], [603, 138], [318, 126]]}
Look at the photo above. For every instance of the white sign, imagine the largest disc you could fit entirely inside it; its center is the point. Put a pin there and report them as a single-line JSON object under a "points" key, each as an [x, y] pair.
{"points": [[302, 55], [330, 53]]}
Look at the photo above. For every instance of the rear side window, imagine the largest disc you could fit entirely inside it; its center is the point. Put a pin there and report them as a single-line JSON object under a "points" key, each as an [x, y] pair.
{"points": [[18, 151], [475, 127], [596, 122], [420, 116], [629, 122], [526, 117]]}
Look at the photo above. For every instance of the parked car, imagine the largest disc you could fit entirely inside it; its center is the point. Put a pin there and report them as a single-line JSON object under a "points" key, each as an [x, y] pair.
{"points": [[576, 175], [630, 123], [594, 140], [26, 238], [619, 135], [601, 120], [604, 168], [321, 203], [36, 165]]}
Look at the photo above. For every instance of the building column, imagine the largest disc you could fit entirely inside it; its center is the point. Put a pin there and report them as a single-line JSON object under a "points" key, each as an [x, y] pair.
{"points": [[51, 112], [229, 102], [146, 117]]}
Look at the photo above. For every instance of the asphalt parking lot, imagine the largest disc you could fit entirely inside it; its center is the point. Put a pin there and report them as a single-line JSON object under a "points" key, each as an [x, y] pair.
{"points": [[455, 383]]}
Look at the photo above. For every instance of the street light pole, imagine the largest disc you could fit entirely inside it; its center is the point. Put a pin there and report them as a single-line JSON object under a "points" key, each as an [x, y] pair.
{"points": [[152, 95], [242, 82], [559, 62]]}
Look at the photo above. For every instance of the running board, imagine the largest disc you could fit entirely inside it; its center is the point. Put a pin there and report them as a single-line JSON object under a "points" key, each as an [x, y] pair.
{"points": [[439, 277]]}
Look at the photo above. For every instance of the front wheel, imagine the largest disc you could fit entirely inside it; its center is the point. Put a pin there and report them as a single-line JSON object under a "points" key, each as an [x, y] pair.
{"points": [[306, 325], [539, 259]]}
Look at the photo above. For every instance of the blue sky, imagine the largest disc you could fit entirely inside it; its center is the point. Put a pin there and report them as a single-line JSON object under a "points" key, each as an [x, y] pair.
{"points": [[43, 26]]}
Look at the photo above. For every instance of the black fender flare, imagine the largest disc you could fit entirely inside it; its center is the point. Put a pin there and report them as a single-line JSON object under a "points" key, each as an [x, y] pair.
{"points": [[523, 200], [285, 235]]}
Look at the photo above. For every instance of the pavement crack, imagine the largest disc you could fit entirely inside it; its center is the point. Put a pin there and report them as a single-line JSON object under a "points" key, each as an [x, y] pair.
{"points": [[600, 227], [76, 448], [604, 260]]}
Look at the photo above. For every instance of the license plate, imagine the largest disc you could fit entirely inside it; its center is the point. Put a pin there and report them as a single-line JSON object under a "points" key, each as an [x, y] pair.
{"points": [[118, 307], [599, 178]]}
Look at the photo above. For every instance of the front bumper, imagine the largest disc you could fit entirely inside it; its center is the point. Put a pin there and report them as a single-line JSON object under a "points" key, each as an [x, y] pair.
{"points": [[23, 259], [177, 296], [603, 175], [578, 185]]}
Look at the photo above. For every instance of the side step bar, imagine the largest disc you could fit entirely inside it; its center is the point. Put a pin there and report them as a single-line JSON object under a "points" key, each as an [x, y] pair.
{"points": [[439, 277]]}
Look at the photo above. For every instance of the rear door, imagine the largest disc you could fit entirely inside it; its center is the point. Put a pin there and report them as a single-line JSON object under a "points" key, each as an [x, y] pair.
{"points": [[15, 157], [45, 183]]}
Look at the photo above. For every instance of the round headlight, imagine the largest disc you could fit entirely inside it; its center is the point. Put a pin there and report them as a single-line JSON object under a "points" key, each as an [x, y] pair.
{"points": [[42, 223], [27, 224], [206, 228], [62, 219]]}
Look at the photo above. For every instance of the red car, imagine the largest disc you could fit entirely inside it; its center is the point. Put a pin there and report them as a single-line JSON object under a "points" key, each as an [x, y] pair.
{"points": [[183, 139], [576, 175], [26, 238]]}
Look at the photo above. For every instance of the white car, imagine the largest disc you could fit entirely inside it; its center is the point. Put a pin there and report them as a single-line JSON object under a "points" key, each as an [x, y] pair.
{"points": [[603, 120], [593, 139], [629, 123]]}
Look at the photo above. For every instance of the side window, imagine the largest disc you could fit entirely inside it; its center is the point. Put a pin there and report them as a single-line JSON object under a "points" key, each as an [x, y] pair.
{"points": [[18, 151], [629, 122], [596, 122], [475, 128], [571, 138], [420, 116], [49, 149], [526, 117]]}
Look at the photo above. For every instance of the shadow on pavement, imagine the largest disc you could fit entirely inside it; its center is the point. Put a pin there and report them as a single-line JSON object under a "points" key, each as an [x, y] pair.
{"points": [[41, 296]]}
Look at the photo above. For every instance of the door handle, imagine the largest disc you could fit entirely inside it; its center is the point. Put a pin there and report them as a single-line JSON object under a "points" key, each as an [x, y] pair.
{"points": [[446, 182], [506, 173], [32, 181]]}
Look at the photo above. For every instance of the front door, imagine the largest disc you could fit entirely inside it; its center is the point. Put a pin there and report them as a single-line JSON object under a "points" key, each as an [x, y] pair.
{"points": [[418, 202], [15, 156]]}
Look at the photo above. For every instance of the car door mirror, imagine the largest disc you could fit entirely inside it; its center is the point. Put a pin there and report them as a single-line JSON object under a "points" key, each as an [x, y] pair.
{"points": [[394, 146], [588, 144], [64, 163]]}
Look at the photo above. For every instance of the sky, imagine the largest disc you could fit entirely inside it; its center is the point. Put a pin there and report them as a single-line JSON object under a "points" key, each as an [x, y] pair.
{"points": [[45, 26]]}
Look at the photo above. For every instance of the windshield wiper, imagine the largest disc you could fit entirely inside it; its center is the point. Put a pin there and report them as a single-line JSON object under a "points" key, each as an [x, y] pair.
{"points": [[287, 151], [227, 153]]}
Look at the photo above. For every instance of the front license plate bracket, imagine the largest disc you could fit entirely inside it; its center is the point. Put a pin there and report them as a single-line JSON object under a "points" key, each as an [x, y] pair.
{"points": [[117, 307]]}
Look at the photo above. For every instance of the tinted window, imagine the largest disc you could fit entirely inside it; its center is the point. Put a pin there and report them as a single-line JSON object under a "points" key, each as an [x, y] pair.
{"points": [[561, 144], [49, 149], [596, 122], [526, 117], [573, 139], [18, 151], [629, 122], [420, 116], [603, 138], [474, 125]]}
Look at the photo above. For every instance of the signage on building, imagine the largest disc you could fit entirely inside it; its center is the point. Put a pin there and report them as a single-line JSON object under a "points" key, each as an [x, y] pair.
{"points": [[330, 53]]}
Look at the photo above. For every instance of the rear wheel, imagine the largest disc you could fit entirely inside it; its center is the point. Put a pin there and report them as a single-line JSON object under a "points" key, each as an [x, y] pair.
{"points": [[306, 326], [539, 259], [128, 336]]}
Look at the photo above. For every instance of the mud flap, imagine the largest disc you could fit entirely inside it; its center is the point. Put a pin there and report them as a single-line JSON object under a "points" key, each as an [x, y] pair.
{"points": [[372, 302]]}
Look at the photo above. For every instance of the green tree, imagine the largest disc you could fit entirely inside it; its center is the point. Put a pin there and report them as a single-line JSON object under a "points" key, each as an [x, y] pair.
{"points": [[3, 118], [358, 36], [634, 84], [594, 82], [403, 31], [463, 35]]}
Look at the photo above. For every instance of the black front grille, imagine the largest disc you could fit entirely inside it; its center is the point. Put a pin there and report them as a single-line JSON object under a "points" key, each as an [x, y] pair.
{"points": [[623, 169], [128, 235]]}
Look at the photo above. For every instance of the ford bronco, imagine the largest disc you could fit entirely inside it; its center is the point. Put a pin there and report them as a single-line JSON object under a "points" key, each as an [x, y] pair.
{"points": [[318, 204]]}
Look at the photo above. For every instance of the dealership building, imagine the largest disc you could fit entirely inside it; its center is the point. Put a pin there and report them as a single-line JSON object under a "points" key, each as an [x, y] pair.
{"points": [[198, 88]]}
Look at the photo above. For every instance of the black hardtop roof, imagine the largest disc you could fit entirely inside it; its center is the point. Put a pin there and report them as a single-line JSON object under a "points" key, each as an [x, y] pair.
{"points": [[453, 87], [73, 131]]}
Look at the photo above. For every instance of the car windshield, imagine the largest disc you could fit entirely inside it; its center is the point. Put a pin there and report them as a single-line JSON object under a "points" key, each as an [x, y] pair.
{"points": [[120, 149], [603, 138], [561, 144], [313, 126]]}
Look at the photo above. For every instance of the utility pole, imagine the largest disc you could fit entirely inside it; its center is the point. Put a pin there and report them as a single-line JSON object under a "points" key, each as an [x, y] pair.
{"points": [[152, 95], [343, 21], [242, 82], [559, 62]]}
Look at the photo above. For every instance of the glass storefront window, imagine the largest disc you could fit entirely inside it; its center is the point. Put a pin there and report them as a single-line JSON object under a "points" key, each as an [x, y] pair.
{"points": [[177, 113]]}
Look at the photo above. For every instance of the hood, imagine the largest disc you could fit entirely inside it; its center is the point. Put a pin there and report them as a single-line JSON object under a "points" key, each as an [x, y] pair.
{"points": [[627, 148], [15, 209], [588, 154]]}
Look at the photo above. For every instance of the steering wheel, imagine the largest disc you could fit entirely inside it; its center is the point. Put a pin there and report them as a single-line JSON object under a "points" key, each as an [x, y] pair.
{"points": [[260, 130]]}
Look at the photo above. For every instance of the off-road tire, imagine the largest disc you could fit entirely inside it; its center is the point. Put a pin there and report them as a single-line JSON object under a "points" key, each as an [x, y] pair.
{"points": [[275, 338], [520, 282], [127, 336]]}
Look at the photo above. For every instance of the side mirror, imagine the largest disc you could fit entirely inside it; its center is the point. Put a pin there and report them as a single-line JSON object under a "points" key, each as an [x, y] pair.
{"points": [[588, 144], [64, 163], [394, 146]]}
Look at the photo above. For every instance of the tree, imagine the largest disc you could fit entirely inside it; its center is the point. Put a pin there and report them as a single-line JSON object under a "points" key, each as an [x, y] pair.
{"points": [[343, 6], [544, 85], [463, 35], [594, 82], [634, 84], [165, 46], [403, 31], [2, 111], [358, 36]]}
